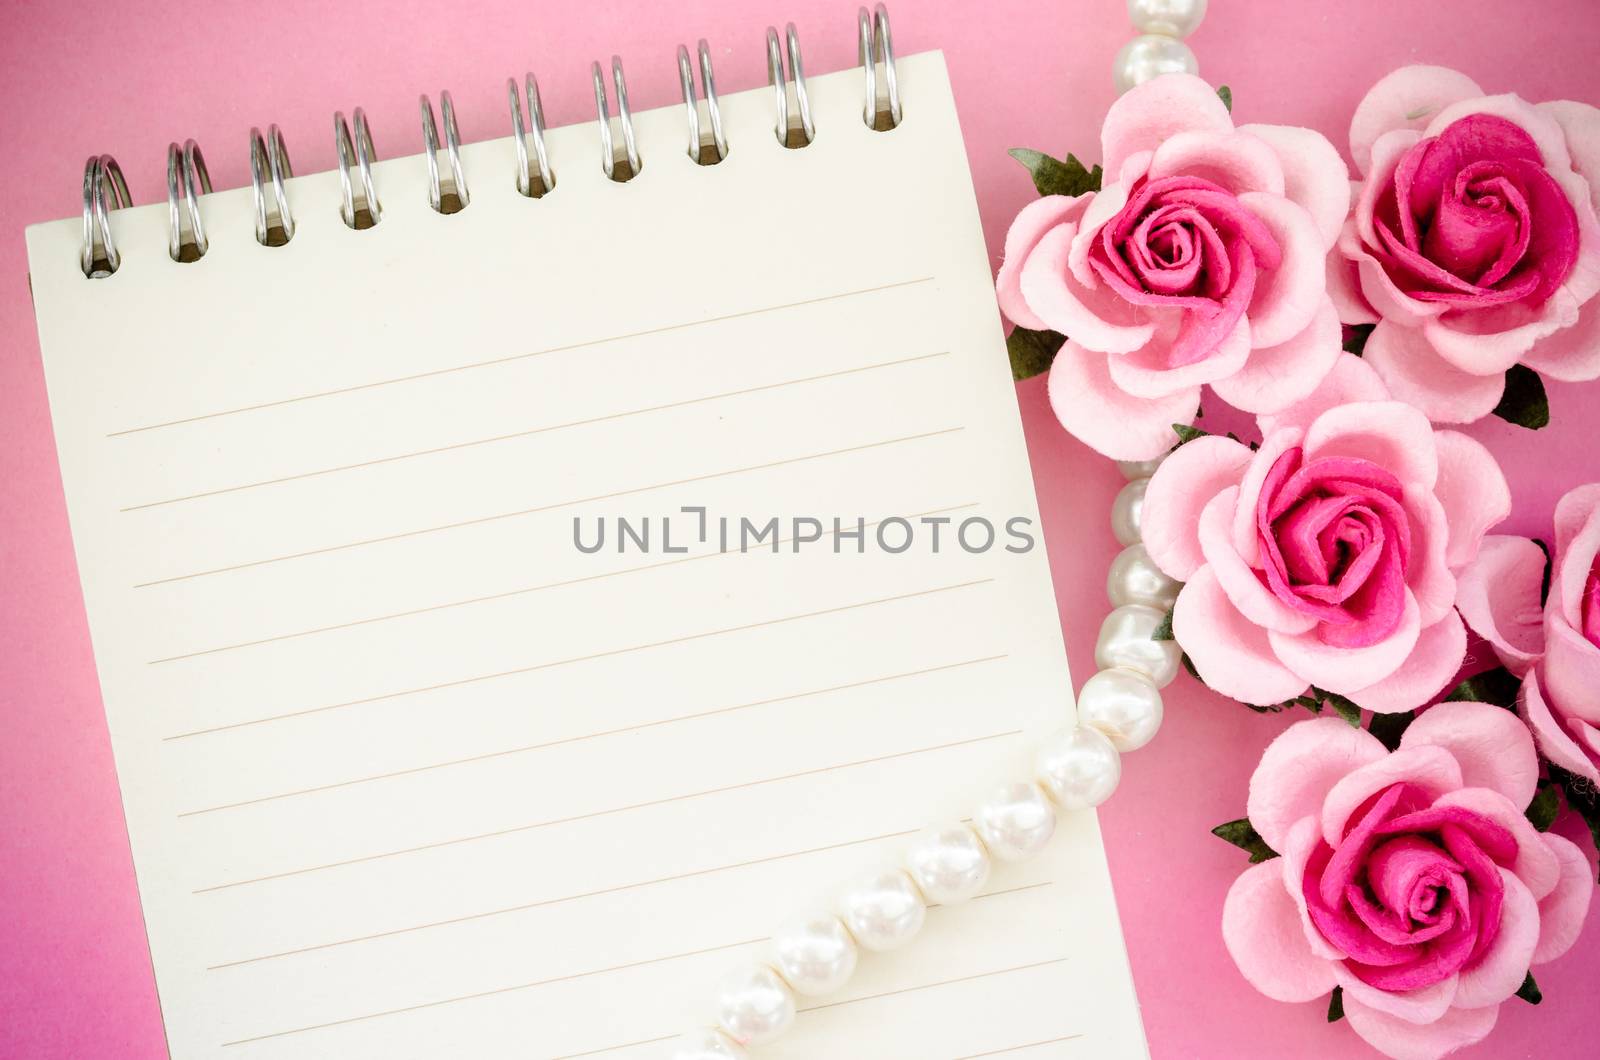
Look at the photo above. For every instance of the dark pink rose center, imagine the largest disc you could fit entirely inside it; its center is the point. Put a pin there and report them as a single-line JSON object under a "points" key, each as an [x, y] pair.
{"points": [[1335, 543], [1186, 243], [1472, 218], [1412, 894], [1590, 608]]}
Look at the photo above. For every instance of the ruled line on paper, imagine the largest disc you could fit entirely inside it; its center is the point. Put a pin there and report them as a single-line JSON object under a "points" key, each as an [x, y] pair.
{"points": [[686, 796], [1019, 1048], [640, 964], [481, 520], [521, 591], [638, 727], [383, 697], [470, 366], [546, 429], [544, 903]]}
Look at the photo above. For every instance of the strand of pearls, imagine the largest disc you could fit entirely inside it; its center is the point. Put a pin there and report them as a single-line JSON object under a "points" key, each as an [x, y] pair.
{"points": [[1076, 768], [1159, 48]]}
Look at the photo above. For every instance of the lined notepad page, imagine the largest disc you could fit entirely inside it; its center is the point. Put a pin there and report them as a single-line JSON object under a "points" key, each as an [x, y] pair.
{"points": [[407, 774]]}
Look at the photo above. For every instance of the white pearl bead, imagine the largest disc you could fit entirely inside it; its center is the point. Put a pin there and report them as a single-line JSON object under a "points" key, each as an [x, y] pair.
{"points": [[1123, 705], [1151, 56], [815, 954], [1132, 469], [755, 1005], [949, 864], [1174, 18], [883, 911], [1127, 510], [706, 1044], [1079, 768], [1134, 578], [1016, 822], [1126, 641]]}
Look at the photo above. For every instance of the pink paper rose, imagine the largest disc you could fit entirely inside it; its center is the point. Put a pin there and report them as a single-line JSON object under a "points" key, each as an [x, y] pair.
{"points": [[1410, 879], [1474, 243], [1201, 262], [1327, 557], [1556, 648]]}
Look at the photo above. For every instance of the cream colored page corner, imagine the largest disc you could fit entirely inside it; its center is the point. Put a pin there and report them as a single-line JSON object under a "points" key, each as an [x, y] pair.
{"points": [[407, 774]]}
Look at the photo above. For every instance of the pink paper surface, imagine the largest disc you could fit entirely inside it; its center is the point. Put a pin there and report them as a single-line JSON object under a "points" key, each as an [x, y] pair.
{"points": [[125, 78]]}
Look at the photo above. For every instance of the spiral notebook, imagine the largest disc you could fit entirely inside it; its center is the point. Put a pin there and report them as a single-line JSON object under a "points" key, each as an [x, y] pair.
{"points": [[411, 766]]}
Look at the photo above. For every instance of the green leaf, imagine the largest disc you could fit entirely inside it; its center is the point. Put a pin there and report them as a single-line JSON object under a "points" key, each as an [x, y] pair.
{"points": [[1341, 706], [1188, 664], [1164, 630], [1388, 728], [1032, 351], [1187, 433], [1051, 176], [1529, 991], [1498, 686], [1226, 95], [1336, 1005], [1542, 810], [1582, 797], [1524, 402], [1356, 343], [1242, 834], [1544, 583]]}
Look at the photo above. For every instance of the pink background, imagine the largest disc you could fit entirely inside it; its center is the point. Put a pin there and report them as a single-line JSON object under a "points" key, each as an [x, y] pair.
{"points": [[127, 77]]}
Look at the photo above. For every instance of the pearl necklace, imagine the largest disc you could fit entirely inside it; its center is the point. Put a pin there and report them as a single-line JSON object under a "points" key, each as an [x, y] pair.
{"points": [[1076, 768]]}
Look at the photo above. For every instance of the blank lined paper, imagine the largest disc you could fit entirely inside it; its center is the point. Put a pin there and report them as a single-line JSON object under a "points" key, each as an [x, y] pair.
{"points": [[407, 773]]}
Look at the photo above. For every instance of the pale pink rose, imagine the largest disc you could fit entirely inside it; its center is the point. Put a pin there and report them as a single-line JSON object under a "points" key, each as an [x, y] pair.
{"points": [[1328, 557], [1474, 243], [1556, 648], [1411, 879], [1201, 261]]}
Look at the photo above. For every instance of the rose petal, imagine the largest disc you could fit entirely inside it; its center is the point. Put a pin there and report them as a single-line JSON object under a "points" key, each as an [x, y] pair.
{"points": [[1406, 99], [1487, 341], [1152, 112], [1030, 226], [1095, 319], [1571, 672], [1535, 863], [1246, 535], [1178, 492], [1473, 491], [1144, 372], [1571, 355], [1299, 768], [1499, 973], [1428, 573], [1562, 911], [1232, 160], [1314, 176], [1432, 663], [1498, 594], [1421, 1006], [1540, 126], [1346, 670], [1577, 544], [1276, 377], [1490, 745], [1231, 654], [1415, 373], [1391, 434], [1304, 839], [1108, 419], [1350, 379], [1263, 933], [1286, 298], [1553, 739], [1244, 586], [1344, 288], [1399, 1040], [1574, 511], [1429, 768]]}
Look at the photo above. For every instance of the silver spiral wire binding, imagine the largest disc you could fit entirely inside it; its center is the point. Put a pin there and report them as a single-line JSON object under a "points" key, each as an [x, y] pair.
{"points": [[357, 152], [702, 153], [876, 45], [269, 161], [807, 131], [534, 130], [187, 180], [458, 199], [104, 190], [608, 160]]}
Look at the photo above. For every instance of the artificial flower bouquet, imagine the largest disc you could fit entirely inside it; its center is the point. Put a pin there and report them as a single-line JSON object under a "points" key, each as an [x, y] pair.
{"points": [[1402, 868]]}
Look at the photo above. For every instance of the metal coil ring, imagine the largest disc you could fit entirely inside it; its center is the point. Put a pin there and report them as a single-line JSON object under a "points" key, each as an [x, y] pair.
{"points": [[356, 152], [876, 45], [269, 161], [187, 179], [719, 142], [452, 145], [807, 130], [608, 161], [104, 190], [534, 129]]}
